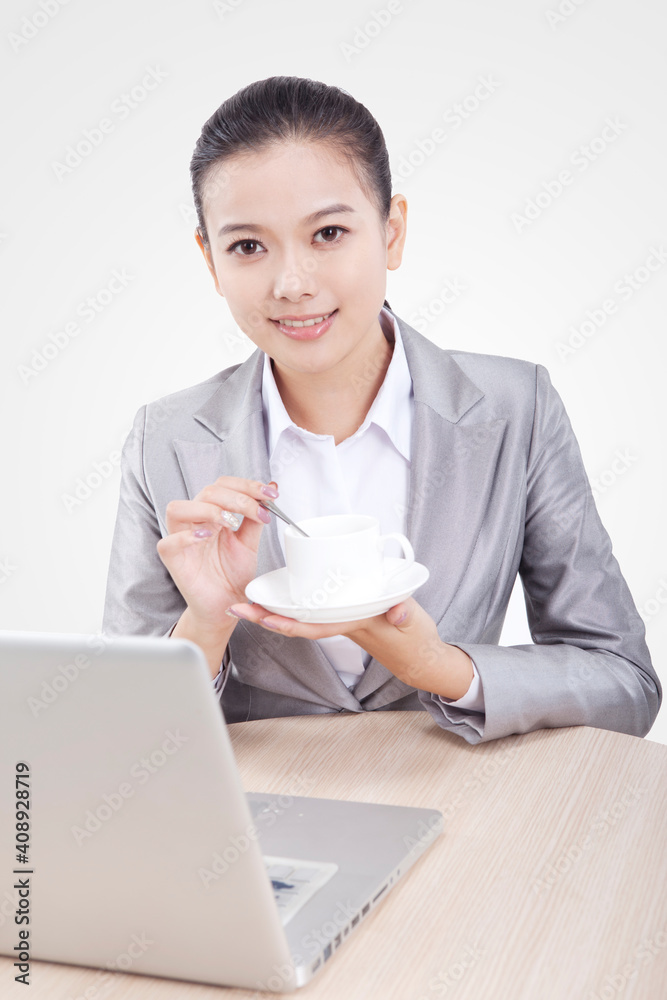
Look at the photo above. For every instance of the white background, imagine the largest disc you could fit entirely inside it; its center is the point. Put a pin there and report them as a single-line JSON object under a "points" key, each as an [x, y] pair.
{"points": [[555, 80]]}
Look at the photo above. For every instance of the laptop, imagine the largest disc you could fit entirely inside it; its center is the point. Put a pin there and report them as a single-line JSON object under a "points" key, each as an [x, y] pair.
{"points": [[132, 846]]}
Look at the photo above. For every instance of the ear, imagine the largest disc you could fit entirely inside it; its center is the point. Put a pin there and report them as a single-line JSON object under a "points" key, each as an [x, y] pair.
{"points": [[396, 231], [207, 257]]}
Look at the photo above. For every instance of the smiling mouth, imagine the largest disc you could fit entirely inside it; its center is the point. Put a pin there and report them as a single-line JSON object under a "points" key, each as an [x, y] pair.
{"points": [[305, 322], [306, 329]]}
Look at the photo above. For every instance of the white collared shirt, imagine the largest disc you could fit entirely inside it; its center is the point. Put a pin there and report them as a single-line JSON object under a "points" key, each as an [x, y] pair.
{"points": [[367, 473]]}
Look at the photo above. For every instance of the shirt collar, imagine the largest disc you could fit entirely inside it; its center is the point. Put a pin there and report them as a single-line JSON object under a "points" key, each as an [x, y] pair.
{"points": [[388, 410]]}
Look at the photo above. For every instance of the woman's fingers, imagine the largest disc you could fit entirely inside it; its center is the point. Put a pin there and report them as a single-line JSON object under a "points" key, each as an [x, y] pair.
{"points": [[182, 514], [211, 544], [293, 627], [234, 489], [219, 503], [176, 542]]}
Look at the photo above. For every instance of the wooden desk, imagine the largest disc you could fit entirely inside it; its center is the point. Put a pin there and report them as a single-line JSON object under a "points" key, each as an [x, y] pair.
{"points": [[549, 881]]}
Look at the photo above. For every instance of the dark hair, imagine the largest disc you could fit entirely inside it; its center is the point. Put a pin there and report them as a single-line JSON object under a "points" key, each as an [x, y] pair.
{"points": [[293, 109]]}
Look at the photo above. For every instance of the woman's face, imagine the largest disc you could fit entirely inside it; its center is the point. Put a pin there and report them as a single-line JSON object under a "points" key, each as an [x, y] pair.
{"points": [[280, 249]]}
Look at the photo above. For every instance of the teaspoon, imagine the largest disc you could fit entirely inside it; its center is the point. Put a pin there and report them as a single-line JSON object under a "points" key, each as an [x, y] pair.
{"points": [[270, 505]]}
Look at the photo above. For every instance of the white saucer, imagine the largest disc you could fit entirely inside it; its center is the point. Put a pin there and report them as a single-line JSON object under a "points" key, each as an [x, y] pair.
{"points": [[271, 590]]}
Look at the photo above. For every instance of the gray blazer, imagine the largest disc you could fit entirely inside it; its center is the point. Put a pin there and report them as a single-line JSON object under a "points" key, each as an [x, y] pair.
{"points": [[497, 486]]}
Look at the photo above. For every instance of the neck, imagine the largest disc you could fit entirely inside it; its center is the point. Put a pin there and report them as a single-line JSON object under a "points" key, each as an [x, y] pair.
{"points": [[336, 402]]}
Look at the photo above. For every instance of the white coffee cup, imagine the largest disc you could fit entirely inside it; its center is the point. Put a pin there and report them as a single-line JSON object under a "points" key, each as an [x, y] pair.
{"points": [[341, 562]]}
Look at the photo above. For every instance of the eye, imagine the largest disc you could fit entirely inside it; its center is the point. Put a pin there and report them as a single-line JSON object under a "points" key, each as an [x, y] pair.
{"points": [[243, 243], [330, 229]]}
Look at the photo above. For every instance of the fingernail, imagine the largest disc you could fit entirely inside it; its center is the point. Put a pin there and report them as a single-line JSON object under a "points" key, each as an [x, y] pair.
{"points": [[269, 492], [401, 619], [237, 614], [202, 532], [263, 621], [263, 515], [233, 520]]}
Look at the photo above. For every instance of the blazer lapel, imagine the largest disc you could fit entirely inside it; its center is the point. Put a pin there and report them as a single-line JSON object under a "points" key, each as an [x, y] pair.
{"points": [[452, 471], [233, 414]]}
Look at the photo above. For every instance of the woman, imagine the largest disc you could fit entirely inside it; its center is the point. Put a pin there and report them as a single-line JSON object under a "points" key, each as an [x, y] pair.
{"points": [[472, 456]]}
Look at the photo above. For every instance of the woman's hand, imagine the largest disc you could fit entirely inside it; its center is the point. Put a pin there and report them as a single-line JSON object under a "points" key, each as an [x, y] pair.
{"points": [[405, 640], [210, 562]]}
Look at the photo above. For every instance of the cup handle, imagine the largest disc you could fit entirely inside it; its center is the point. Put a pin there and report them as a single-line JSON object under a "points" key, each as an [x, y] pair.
{"points": [[408, 553]]}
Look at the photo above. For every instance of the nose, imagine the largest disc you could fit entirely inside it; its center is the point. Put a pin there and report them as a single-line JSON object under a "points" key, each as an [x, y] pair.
{"points": [[294, 276]]}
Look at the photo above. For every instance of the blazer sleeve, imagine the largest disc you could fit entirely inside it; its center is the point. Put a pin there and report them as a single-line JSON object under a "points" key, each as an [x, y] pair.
{"points": [[141, 596], [589, 664]]}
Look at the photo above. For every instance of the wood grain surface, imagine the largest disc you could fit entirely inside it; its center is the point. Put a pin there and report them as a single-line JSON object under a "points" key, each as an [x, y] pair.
{"points": [[548, 882]]}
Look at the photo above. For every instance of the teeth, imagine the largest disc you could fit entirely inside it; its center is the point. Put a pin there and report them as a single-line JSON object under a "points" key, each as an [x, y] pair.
{"points": [[307, 322]]}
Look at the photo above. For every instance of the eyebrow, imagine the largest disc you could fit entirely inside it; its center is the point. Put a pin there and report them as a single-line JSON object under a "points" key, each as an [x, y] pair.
{"points": [[233, 227]]}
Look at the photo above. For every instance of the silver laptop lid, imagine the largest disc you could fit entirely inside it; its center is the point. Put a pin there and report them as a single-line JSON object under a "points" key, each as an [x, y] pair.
{"points": [[107, 735]]}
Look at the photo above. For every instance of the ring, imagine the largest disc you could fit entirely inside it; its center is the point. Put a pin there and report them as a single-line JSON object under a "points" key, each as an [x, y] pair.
{"points": [[233, 520]]}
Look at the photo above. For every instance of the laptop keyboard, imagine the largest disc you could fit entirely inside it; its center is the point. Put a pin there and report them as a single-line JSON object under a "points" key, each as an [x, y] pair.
{"points": [[294, 882]]}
